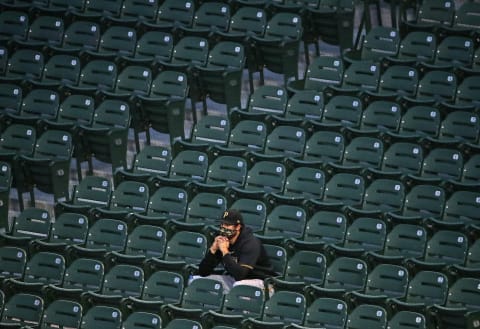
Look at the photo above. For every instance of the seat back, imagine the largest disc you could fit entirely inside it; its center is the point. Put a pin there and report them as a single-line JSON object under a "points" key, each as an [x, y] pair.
{"points": [[134, 79], [462, 206], [464, 293], [139, 320], [206, 208], [399, 79], [380, 42], [428, 288], [442, 162], [418, 46], [381, 116], [420, 120], [345, 188], [40, 104], [62, 313], [32, 222], [107, 234], [286, 140], [467, 91], [130, 196], [190, 165], [367, 316], [455, 50], [460, 125], [46, 30], [94, 191], [306, 266], [76, 110], [266, 175], [23, 309], [361, 75], [11, 96], [436, 13], [254, 212], [324, 146], [62, 69], [387, 280], [305, 182], [12, 260], [306, 105], [103, 316], [326, 227], [82, 35], [99, 74], [123, 280], [164, 286], [248, 135], [406, 240], [212, 16], [14, 24], [285, 221], [366, 233], [101, 8], [69, 228], [448, 247], [191, 50], [147, 240], [269, 100], [227, 170], [324, 71], [470, 169], [403, 157], [437, 85], [211, 130], [25, 64], [248, 21], [425, 201], [346, 273], [277, 256], [155, 45], [285, 306], [473, 256], [364, 152], [343, 110], [152, 160], [326, 312], [203, 293], [173, 13], [134, 10], [245, 300], [169, 202], [85, 274], [118, 40], [186, 246], [384, 195], [407, 319]]}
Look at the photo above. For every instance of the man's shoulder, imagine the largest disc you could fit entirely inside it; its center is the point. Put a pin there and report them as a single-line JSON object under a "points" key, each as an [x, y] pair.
{"points": [[247, 235]]}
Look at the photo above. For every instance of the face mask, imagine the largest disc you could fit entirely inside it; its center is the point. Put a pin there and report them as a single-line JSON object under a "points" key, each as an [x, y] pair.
{"points": [[228, 233]]}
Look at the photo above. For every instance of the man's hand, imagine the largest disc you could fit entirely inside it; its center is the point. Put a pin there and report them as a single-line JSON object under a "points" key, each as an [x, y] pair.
{"points": [[214, 246], [223, 244]]}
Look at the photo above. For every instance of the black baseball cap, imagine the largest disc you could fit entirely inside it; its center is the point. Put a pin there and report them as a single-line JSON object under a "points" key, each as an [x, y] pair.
{"points": [[231, 217]]}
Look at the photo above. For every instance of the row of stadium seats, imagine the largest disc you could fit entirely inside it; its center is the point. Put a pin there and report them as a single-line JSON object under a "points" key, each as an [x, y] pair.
{"points": [[307, 284]]}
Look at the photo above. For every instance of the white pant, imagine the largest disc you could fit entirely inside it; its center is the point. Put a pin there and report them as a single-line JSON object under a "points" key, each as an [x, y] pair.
{"points": [[228, 281]]}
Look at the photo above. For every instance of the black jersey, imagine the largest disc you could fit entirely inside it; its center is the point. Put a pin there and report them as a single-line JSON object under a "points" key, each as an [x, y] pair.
{"points": [[247, 259]]}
